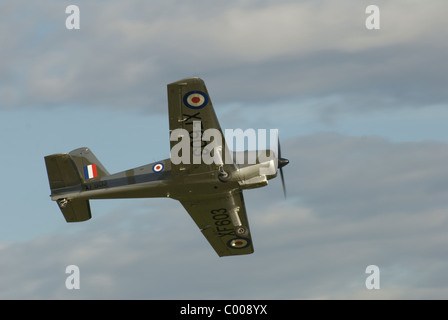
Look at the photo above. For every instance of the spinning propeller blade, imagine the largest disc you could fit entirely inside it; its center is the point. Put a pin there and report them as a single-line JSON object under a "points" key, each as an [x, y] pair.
{"points": [[281, 163]]}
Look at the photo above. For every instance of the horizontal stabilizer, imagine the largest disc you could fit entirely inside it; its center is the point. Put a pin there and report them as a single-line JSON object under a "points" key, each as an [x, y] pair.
{"points": [[75, 210]]}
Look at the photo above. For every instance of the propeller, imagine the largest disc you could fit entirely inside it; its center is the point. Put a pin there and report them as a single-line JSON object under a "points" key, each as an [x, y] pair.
{"points": [[281, 163]]}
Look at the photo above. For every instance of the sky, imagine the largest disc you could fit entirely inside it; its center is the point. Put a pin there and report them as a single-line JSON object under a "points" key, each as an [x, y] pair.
{"points": [[361, 116]]}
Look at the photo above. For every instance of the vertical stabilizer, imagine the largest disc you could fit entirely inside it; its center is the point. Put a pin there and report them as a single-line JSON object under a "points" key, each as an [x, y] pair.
{"points": [[89, 167]]}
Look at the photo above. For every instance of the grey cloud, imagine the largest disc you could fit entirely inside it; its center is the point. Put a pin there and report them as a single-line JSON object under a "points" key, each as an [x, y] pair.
{"points": [[397, 177], [125, 54]]}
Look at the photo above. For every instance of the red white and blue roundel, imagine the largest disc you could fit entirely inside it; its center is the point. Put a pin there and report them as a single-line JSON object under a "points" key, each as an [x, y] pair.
{"points": [[195, 99], [238, 243], [158, 167]]}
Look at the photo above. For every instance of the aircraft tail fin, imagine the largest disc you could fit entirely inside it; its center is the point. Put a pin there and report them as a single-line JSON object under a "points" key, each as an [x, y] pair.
{"points": [[66, 174], [89, 167]]}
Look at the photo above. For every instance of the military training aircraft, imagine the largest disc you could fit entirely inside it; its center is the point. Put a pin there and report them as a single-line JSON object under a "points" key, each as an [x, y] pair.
{"points": [[210, 191]]}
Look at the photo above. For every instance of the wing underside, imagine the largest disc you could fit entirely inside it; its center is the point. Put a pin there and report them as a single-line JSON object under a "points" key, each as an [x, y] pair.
{"points": [[219, 219]]}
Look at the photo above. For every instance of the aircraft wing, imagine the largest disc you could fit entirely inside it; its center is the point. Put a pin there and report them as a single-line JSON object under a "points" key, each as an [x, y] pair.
{"points": [[215, 218], [189, 102]]}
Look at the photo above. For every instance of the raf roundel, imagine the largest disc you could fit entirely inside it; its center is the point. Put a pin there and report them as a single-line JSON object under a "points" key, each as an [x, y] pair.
{"points": [[195, 99], [238, 243], [157, 167]]}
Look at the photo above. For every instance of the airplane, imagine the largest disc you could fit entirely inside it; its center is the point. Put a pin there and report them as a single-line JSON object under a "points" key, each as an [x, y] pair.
{"points": [[212, 193]]}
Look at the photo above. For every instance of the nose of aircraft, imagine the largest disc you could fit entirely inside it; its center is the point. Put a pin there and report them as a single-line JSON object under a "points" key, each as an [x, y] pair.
{"points": [[282, 162]]}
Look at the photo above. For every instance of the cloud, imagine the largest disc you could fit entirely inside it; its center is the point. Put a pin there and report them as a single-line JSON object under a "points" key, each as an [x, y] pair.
{"points": [[125, 54], [369, 166], [353, 202]]}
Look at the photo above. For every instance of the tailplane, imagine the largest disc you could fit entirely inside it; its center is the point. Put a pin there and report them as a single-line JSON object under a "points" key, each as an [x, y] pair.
{"points": [[66, 174]]}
